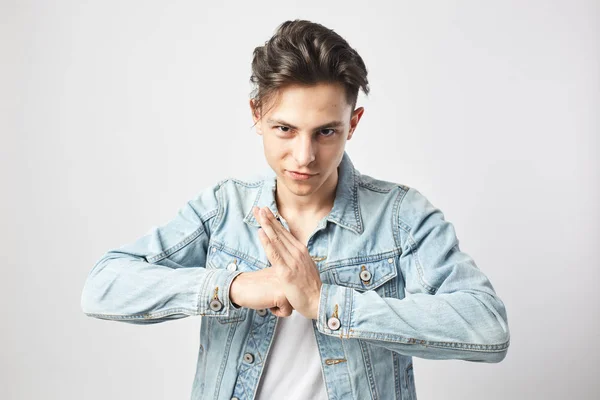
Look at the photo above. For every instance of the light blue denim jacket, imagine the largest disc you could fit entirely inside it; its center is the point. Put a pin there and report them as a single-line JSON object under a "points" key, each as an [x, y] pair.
{"points": [[420, 295]]}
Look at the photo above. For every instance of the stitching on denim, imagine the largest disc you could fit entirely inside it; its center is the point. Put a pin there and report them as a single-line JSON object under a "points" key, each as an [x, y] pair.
{"points": [[404, 340], [250, 184], [230, 334], [395, 218], [361, 259], [202, 295], [370, 186], [386, 277], [414, 251], [369, 370], [406, 376], [350, 311], [145, 316], [208, 215], [178, 246], [356, 205], [236, 253], [215, 212], [348, 374], [396, 365]]}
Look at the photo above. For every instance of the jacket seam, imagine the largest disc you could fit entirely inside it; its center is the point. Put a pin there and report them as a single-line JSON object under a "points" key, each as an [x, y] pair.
{"points": [[145, 316], [452, 345], [177, 246], [413, 247]]}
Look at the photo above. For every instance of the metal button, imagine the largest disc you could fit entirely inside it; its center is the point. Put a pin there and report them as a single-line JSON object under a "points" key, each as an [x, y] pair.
{"points": [[249, 358], [333, 323], [234, 398], [213, 249], [390, 260], [365, 275], [232, 266], [216, 305], [262, 312]]}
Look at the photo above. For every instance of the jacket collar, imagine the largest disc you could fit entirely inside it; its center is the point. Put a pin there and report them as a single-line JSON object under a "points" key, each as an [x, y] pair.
{"points": [[345, 211]]}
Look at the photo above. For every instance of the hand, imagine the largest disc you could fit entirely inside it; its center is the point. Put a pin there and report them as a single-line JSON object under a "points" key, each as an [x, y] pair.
{"points": [[260, 289], [296, 270]]}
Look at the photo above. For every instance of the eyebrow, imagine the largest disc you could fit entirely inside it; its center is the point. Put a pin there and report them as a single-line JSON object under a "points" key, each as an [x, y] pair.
{"points": [[327, 125]]}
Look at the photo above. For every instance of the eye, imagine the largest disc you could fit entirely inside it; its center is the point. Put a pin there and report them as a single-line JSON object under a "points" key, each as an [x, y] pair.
{"points": [[284, 127], [333, 131]]}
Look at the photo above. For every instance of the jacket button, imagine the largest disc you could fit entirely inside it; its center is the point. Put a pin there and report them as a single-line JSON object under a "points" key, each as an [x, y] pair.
{"points": [[390, 260], [249, 358], [231, 267], [333, 323], [234, 398], [365, 275], [216, 305], [262, 312]]}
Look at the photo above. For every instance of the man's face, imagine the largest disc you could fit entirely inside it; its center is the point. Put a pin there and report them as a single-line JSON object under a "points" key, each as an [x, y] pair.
{"points": [[306, 131]]}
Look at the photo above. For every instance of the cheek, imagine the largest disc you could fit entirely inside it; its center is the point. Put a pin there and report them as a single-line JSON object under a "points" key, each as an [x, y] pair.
{"points": [[274, 147]]}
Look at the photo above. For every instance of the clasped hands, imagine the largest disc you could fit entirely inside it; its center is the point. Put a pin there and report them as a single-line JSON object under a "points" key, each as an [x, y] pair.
{"points": [[292, 281]]}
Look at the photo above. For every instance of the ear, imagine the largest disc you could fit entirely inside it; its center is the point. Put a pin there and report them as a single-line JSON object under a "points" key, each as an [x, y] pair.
{"points": [[255, 117], [356, 116]]}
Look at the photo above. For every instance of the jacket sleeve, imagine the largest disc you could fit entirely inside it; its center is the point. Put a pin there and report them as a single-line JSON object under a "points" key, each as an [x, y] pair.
{"points": [[450, 310], [162, 275]]}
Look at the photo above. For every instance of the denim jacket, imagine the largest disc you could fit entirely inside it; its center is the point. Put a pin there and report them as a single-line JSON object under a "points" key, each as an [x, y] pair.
{"points": [[395, 285]]}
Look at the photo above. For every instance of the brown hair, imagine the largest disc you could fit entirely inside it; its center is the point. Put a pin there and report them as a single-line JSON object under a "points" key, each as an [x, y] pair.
{"points": [[307, 53]]}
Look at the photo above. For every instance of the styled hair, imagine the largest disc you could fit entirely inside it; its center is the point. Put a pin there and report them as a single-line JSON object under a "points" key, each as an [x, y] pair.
{"points": [[306, 53]]}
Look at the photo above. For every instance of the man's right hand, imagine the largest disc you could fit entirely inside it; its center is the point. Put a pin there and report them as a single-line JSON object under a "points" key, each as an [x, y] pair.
{"points": [[260, 289]]}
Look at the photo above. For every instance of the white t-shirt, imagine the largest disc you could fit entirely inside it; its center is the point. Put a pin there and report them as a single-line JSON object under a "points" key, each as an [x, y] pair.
{"points": [[292, 369]]}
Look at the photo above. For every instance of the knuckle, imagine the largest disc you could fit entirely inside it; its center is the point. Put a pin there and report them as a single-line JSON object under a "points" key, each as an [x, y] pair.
{"points": [[275, 256], [286, 274]]}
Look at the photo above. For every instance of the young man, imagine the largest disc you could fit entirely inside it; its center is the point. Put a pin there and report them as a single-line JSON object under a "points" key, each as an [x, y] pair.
{"points": [[314, 281]]}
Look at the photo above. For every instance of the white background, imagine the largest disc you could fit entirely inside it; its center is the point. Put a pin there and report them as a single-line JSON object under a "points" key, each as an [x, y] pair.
{"points": [[114, 113]]}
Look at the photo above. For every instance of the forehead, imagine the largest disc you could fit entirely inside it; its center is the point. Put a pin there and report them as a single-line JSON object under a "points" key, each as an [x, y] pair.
{"points": [[314, 102]]}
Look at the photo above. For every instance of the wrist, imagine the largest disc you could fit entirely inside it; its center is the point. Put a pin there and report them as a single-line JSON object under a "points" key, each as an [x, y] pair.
{"points": [[234, 292]]}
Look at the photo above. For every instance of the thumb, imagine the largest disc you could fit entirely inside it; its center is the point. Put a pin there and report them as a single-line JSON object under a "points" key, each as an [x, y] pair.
{"points": [[284, 310]]}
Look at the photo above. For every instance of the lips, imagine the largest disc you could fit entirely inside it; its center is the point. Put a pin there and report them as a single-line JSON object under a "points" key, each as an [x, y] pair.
{"points": [[301, 173], [299, 176]]}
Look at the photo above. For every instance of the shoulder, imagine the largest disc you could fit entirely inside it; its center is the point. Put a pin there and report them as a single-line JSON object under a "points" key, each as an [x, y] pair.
{"points": [[237, 192], [410, 205], [368, 182], [240, 185], [221, 189]]}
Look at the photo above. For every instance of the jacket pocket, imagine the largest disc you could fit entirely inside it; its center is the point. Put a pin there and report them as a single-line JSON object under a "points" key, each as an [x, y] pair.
{"points": [[374, 273]]}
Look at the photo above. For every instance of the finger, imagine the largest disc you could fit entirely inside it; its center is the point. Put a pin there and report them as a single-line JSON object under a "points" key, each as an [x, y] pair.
{"points": [[275, 238], [281, 313], [286, 237], [284, 233], [292, 245], [274, 254]]}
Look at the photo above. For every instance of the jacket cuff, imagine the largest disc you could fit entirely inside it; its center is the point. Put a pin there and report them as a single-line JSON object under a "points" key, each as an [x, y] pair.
{"points": [[335, 310], [213, 298]]}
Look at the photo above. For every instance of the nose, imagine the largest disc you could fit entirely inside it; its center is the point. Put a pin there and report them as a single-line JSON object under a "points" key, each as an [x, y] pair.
{"points": [[304, 152]]}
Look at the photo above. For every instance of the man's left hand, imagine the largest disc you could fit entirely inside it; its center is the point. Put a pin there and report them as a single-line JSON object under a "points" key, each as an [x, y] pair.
{"points": [[294, 267]]}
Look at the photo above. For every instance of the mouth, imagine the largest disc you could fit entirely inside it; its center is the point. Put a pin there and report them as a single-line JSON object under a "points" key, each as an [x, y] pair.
{"points": [[299, 175]]}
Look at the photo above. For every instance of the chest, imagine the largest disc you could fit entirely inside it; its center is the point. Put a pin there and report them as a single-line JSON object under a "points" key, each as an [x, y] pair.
{"points": [[301, 229]]}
